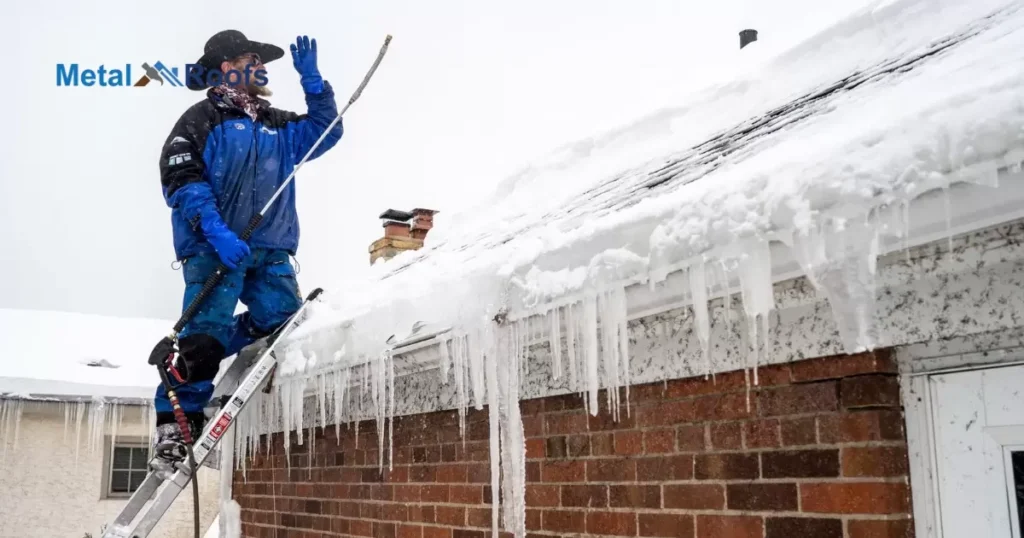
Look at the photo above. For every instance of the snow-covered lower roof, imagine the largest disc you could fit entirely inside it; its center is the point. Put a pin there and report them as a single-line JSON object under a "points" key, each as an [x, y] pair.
{"points": [[900, 98], [63, 355]]}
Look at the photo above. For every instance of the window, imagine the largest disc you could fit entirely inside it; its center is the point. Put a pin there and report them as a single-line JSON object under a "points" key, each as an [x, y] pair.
{"points": [[1017, 461], [126, 466]]}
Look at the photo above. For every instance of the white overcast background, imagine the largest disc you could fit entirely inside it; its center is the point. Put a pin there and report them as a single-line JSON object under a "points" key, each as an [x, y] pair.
{"points": [[469, 92]]}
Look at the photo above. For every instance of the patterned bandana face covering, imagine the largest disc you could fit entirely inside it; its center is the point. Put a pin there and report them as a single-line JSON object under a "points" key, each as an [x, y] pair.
{"points": [[239, 97]]}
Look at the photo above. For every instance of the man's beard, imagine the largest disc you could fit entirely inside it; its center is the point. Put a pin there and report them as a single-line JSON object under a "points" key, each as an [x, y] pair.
{"points": [[257, 90]]}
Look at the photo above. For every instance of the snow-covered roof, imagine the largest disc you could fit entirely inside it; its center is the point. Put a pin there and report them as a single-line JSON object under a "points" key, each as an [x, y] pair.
{"points": [[898, 99], [65, 355]]}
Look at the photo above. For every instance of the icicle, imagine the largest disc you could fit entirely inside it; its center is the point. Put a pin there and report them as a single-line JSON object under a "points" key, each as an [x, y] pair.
{"points": [[840, 260], [79, 416], [702, 322], [591, 350], [949, 217], [623, 328], [906, 229], [476, 368], [443, 362], [555, 339], [391, 412], [570, 344], [491, 361]]}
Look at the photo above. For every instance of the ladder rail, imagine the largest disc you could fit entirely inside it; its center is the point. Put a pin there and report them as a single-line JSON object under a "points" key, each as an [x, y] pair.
{"points": [[168, 490]]}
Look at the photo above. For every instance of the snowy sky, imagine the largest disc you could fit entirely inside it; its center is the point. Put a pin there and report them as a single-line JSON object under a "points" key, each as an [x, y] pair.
{"points": [[469, 93]]}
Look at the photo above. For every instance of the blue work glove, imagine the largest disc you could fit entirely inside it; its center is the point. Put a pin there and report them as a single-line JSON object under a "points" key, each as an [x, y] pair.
{"points": [[304, 60], [229, 247]]}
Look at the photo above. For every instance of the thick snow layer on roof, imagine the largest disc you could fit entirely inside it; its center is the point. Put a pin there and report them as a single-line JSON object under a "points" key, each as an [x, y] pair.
{"points": [[60, 354], [875, 110]]}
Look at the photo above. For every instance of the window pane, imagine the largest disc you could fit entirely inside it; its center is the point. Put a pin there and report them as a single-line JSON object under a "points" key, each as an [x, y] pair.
{"points": [[119, 482], [140, 458], [136, 479], [1017, 459], [122, 457]]}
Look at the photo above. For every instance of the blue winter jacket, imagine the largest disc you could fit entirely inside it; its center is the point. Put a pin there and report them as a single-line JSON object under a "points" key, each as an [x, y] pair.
{"points": [[219, 163]]}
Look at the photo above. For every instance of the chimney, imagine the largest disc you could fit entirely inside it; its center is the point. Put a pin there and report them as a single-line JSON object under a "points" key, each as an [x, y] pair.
{"points": [[400, 234], [747, 37]]}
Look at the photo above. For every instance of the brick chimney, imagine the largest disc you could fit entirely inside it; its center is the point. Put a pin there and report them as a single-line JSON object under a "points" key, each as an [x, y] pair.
{"points": [[403, 230]]}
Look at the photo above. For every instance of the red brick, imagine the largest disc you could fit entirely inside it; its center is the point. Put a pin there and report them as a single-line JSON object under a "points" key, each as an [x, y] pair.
{"points": [[696, 386], [901, 528], [875, 461], [730, 527], [533, 518], [452, 473], [542, 495], [605, 420], [800, 464], [666, 413], [725, 406], [664, 468], [563, 471], [666, 525], [635, 496], [791, 527], [628, 443], [563, 521], [480, 517], [589, 496], [799, 431], [659, 441], [855, 498], [383, 529], [554, 447], [534, 449], [870, 391], [778, 374], [451, 515], [565, 423], [617, 470], [533, 426], [726, 436], [434, 493], [465, 494], [394, 512], [602, 445], [531, 407], [799, 399], [361, 527], [725, 466], [843, 366], [695, 496], [481, 474], [436, 532], [761, 434], [564, 402], [861, 426], [462, 533], [577, 446], [762, 497], [611, 523], [691, 438]]}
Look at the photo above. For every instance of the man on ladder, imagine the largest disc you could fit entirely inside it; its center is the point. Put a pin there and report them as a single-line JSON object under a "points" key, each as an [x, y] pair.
{"points": [[224, 159]]}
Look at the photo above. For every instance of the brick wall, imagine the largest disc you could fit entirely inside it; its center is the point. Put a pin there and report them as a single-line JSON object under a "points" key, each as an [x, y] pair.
{"points": [[820, 453]]}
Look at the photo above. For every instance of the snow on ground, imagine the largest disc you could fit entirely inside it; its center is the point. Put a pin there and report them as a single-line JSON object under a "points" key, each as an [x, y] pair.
{"points": [[78, 355]]}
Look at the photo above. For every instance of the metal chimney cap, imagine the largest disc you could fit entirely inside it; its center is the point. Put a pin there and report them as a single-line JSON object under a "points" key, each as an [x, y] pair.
{"points": [[747, 37]]}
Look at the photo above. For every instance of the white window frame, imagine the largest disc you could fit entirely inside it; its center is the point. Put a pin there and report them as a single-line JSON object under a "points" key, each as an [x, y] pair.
{"points": [[108, 462]]}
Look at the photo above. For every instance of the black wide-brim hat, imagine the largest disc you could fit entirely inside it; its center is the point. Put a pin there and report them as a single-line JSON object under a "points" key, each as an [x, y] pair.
{"points": [[225, 46]]}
